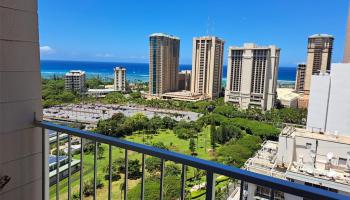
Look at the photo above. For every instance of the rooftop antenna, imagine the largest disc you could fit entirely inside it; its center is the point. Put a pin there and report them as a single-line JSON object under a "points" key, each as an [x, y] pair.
{"points": [[208, 25]]}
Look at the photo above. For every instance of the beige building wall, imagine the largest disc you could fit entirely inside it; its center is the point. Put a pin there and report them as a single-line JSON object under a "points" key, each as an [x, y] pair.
{"points": [[207, 60], [319, 56], [120, 79], [20, 142], [252, 76], [164, 63], [346, 58]]}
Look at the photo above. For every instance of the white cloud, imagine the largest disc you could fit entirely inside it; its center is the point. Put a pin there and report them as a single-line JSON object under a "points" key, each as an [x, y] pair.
{"points": [[137, 57], [46, 50], [105, 55]]}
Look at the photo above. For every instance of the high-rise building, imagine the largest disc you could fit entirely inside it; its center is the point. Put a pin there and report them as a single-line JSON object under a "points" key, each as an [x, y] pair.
{"points": [[319, 56], [120, 79], [300, 78], [164, 63], [207, 60], [346, 58], [252, 76], [75, 80], [329, 101], [184, 79]]}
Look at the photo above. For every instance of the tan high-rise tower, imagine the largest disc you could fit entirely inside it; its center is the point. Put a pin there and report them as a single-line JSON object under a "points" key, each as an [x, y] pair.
{"points": [[319, 57], [207, 60], [300, 78], [163, 64], [346, 58]]}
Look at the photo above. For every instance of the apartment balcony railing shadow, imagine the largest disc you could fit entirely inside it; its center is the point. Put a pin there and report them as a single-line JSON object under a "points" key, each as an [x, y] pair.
{"points": [[211, 168]]}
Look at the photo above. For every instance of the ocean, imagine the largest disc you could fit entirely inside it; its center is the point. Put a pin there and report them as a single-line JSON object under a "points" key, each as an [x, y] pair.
{"points": [[134, 71]]}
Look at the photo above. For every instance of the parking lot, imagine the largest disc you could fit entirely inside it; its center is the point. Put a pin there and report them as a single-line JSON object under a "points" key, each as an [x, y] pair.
{"points": [[92, 113]]}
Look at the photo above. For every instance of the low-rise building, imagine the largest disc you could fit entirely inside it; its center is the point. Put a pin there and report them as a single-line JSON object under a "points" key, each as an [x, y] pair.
{"points": [[288, 97], [303, 101], [63, 167], [99, 93], [74, 80], [184, 96], [184, 80]]}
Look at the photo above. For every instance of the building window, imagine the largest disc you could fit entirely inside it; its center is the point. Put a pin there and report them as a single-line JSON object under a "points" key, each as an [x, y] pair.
{"points": [[308, 145], [342, 161]]}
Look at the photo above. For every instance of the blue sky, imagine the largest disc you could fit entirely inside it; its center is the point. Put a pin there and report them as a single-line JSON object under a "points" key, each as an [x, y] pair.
{"points": [[116, 30]]}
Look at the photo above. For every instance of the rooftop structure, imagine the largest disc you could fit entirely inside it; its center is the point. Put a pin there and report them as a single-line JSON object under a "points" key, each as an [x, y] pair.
{"points": [[321, 35], [304, 157], [164, 35]]}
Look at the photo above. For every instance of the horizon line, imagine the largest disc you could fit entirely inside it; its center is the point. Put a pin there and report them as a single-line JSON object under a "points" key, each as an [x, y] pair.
{"points": [[96, 61]]}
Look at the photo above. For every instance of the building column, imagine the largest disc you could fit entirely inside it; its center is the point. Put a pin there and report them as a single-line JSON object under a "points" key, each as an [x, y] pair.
{"points": [[20, 98]]}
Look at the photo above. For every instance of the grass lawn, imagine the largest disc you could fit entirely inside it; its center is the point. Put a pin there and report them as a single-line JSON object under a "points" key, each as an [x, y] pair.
{"points": [[165, 136]]}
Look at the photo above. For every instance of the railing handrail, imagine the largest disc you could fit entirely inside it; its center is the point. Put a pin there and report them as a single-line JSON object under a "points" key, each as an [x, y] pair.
{"points": [[216, 168]]}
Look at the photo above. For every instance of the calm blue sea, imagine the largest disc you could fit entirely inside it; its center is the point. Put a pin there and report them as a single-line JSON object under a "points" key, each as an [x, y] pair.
{"points": [[134, 71]]}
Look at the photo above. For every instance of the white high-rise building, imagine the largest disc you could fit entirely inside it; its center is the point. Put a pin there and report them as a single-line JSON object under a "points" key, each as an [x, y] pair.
{"points": [[120, 79], [75, 80], [252, 76], [329, 107]]}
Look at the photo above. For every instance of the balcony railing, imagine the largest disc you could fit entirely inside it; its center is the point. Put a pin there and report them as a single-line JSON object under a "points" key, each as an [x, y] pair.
{"points": [[211, 168]]}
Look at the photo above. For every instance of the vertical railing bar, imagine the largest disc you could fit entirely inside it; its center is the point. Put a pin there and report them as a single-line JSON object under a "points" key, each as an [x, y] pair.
{"points": [[210, 187], [241, 189], [81, 169], [95, 170], [143, 178], [272, 194], [57, 165], [69, 166], [183, 182], [126, 177], [110, 174], [161, 179], [45, 167]]}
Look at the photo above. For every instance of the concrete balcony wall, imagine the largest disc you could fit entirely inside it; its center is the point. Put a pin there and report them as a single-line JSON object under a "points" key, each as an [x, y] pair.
{"points": [[20, 98]]}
